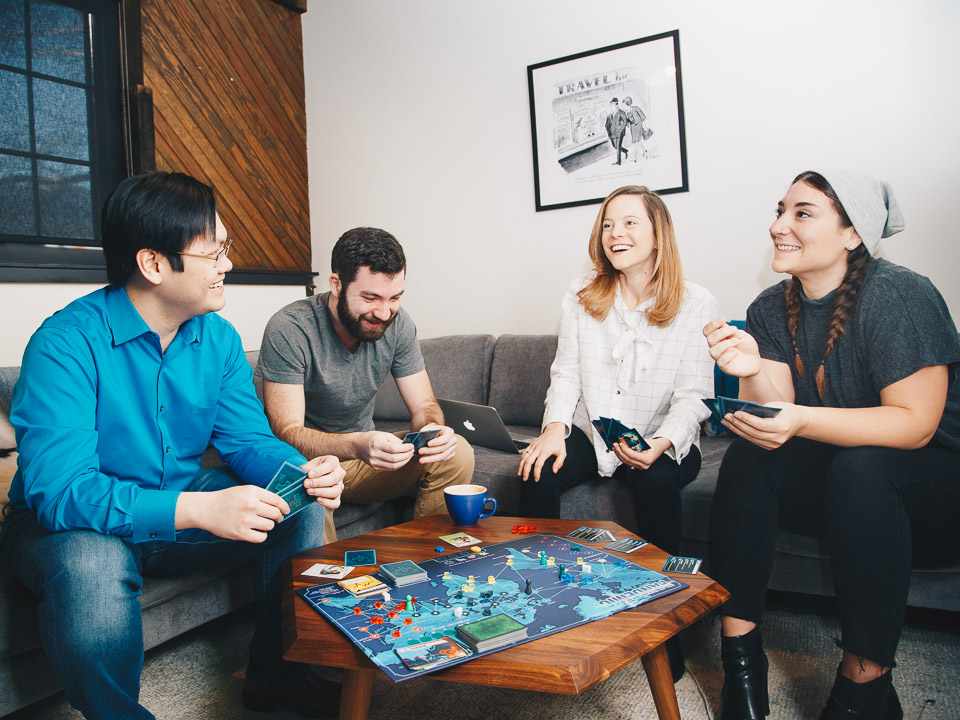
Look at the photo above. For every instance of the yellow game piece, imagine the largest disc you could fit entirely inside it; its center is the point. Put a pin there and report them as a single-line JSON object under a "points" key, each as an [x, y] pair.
{"points": [[446, 574], [549, 561], [491, 580], [475, 548], [579, 561], [470, 579], [472, 587], [465, 587], [509, 562]]}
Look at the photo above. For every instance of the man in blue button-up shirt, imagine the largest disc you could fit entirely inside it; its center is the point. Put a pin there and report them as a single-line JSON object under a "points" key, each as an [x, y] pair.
{"points": [[119, 395]]}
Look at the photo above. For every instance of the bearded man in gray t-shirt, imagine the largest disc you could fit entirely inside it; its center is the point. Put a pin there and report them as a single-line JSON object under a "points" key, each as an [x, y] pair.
{"points": [[322, 361]]}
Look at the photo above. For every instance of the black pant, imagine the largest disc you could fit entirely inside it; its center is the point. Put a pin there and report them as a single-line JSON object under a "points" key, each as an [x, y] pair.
{"points": [[656, 491], [881, 511]]}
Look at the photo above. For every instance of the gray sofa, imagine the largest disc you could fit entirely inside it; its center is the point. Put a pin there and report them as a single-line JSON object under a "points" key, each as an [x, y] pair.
{"points": [[512, 374]]}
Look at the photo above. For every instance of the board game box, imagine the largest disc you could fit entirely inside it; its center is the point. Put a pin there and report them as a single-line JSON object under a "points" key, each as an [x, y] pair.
{"points": [[537, 580]]}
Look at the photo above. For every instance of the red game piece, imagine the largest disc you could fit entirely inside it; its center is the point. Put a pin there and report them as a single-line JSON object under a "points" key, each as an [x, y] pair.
{"points": [[391, 614], [357, 611], [408, 621], [396, 633], [378, 604]]}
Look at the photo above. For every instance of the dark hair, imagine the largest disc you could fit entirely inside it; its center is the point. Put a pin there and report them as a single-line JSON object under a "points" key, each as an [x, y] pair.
{"points": [[858, 262], [161, 211], [366, 247]]}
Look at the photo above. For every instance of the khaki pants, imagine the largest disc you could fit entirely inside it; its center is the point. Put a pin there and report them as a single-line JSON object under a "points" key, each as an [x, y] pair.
{"points": [[364, 485]]}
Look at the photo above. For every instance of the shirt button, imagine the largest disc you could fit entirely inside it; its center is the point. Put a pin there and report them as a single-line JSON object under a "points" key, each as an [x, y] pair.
{"points": [[163, 487], [161, 408], [168, 449], [153, 535], [618, 392]]}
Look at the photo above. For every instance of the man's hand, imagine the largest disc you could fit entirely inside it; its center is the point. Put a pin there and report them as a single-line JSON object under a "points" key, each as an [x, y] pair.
{"points": [[324, 480], [244, 512], [641, 459], [383, 451], [442, 447]]}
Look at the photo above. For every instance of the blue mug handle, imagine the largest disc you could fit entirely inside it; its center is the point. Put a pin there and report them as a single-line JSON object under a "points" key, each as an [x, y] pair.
{"points": [[488, 500]]}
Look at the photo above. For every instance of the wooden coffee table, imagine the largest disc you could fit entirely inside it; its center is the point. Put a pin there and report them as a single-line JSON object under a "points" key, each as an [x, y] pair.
{"points": [[568, 662]]}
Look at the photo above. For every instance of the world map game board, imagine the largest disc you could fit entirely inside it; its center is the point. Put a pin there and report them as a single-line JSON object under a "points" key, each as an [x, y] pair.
{"points": [[547, 583]]}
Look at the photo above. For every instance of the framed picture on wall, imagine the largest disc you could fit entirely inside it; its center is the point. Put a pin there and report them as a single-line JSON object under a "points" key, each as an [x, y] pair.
{"points": [[606, 118]]}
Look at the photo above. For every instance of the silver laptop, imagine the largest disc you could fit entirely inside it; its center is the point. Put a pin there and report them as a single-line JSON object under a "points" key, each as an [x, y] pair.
{"points": [[481, 425]]}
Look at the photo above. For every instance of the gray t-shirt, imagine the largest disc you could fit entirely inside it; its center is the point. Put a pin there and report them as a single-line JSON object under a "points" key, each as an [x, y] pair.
{"points": [[301, 347], [899, 325]]}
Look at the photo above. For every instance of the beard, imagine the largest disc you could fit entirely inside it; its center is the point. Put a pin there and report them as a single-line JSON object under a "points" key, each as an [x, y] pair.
{"points": [[353, 322]]}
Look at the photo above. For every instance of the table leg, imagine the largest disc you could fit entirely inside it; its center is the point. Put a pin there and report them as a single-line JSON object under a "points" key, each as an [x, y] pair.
{"points": [[357, 687], [661, 683]]}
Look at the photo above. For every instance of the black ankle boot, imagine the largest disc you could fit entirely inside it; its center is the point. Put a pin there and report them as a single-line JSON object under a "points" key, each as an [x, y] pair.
{"points": [[876, 700], [744, 694]]}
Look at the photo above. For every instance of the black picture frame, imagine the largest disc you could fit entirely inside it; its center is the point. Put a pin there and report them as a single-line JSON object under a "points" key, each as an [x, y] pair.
{"points": [[576, 127]]}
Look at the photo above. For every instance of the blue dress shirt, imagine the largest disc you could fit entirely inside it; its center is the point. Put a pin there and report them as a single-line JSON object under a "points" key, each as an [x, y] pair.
{"points": [[110, 429]]}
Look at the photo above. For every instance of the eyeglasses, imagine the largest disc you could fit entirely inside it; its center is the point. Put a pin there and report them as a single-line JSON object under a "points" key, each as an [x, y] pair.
{"points": [[222, 252]]}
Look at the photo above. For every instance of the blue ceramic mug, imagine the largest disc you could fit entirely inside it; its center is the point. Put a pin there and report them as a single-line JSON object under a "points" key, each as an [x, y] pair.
{"points": [[468, 503]]}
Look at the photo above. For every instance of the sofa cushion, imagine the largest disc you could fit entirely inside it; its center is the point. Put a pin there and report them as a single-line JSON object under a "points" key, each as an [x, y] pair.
{"points": [[520, 376], [458, 366]]}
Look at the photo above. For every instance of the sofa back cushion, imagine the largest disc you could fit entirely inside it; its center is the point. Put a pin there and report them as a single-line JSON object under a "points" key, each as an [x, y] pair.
{"points": [[459, 369], [520, 376], [8, 465]]}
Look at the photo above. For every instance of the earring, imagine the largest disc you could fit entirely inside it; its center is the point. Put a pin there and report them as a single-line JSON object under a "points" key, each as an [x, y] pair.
{"points": [[849, 247]]}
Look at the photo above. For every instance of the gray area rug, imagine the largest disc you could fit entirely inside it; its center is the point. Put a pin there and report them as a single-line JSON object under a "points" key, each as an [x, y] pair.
{"points": [[200, 674]]}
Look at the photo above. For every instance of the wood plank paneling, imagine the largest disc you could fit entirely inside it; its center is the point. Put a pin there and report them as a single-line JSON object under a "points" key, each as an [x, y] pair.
{"points": [[229, 108]]}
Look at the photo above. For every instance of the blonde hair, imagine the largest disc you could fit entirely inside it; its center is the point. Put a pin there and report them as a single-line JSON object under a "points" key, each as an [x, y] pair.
{"points": [[598, 295]]}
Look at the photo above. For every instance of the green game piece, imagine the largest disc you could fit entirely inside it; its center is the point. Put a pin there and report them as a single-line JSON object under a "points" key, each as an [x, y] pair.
{"points": [[574, 547]]}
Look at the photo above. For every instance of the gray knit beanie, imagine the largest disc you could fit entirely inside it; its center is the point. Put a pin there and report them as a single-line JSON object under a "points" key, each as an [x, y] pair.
{"points": [[869, 202]]}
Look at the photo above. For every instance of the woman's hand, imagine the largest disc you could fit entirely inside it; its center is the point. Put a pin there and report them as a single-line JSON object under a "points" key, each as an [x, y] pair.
{"points": [[552, 442], [768, 433], [735, 351], [641, 460]]}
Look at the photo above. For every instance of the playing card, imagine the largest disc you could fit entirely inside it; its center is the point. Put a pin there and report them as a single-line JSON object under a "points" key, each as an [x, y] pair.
{"points": [[713, 404], [419, 439], [626, 545], [297, 498], [460, 539], [732, 405], [679, 564], [360, 557], [288, 474], [322, 570]]}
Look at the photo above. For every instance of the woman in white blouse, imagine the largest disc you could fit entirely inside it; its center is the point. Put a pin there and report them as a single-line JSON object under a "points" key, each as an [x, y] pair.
{"points": [[631, 349]]}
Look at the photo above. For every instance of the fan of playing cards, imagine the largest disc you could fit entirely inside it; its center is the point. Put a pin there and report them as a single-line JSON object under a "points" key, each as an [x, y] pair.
{"points": [[613, 431]]}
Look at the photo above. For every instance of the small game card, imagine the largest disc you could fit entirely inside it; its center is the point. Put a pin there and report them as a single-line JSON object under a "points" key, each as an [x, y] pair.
{"points": [[432, 653], [322, 570], [460, 539], [420, 439], [297, 497], [731, 405], [360, 557], [626, 545], [287, 476], [364, 585], [685, 565], [591, 534]]}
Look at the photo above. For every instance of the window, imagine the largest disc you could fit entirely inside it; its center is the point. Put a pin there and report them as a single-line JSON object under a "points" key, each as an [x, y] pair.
{"points": [[61, 138]]}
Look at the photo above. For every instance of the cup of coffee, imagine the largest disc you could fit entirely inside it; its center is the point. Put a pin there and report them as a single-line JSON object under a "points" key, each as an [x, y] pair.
{"points": [[468, 503]]}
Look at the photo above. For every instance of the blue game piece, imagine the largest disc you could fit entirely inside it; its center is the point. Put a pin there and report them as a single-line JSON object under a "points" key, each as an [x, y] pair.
{"points": [[438, 548]]}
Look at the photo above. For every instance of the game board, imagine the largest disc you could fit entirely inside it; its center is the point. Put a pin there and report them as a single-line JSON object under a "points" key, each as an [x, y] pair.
{"points": [[494, 580]]}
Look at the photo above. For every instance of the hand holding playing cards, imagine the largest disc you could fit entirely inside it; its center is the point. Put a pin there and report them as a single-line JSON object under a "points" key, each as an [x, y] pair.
{"points": [[735, 351], [324, 480], [384, 451], [552, 442], [242, 512], [768, 433], [440, 448], [641, 460]]}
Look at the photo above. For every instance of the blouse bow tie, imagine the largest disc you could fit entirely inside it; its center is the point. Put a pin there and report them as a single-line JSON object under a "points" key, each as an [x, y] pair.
{"points": [[634, 355]]}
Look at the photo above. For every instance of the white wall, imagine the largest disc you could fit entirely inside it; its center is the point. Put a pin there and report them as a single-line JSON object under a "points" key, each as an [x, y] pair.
{"points": [[27, 305], [418, 122]]}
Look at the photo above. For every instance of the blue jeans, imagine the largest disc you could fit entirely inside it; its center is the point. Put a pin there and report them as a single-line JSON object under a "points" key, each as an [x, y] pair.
{"points": [[88, 586]]}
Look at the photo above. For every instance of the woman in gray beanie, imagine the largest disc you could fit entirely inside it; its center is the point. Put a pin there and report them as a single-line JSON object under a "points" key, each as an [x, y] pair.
{"points": [[864, 360]]}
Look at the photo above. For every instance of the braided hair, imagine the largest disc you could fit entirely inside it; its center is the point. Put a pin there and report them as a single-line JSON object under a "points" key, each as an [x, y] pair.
{"points": [[858, 263]]}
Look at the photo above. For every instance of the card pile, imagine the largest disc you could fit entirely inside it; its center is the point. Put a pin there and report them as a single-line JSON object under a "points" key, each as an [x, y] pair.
{"points": [[492, 632], [405, 572], [685, 565], [626, 545], [613, 431], [591, 534], [419, 439], [288, 484], [430, 654], [364, 585], [360, 557], [722, 405]]}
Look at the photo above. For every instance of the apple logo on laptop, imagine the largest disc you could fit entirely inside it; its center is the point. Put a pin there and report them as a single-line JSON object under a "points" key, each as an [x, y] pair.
{"points": [[468, 425]]}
